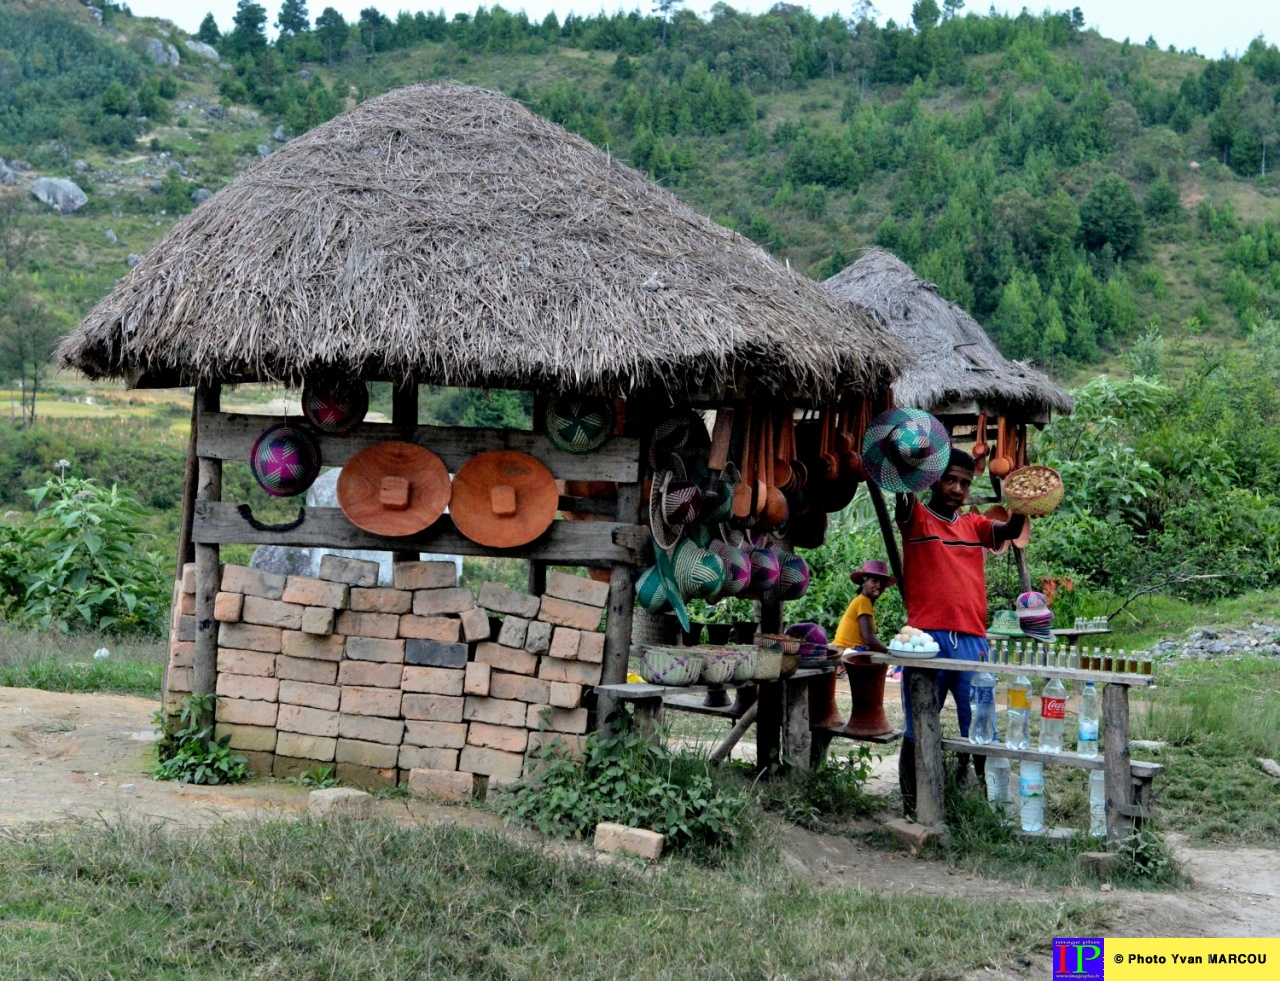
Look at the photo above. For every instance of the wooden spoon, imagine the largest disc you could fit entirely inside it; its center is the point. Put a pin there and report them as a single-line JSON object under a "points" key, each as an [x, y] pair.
{"points": [[980, 448], [759, 466], [742, 494], [1000, 463], [828, 456], [776, 502]]}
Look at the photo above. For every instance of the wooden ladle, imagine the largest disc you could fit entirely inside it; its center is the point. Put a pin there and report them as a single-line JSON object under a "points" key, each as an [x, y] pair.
{"points": [[743, 505], [1002, 462], [980, 448]]}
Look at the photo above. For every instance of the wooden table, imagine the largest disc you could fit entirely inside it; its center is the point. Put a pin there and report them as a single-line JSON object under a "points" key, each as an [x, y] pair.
{"points": [[1121, 772]]}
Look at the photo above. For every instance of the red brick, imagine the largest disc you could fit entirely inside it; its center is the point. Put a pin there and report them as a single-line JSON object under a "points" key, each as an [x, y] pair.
{"points": [[509, 739], [376, 756], [557, 719], [353, 572], [433, 602], [306, 669], [189, 578], [371, 701], [434, 681], [591, 647], [272, 613], [248, 686], [446, 735], [565, 614], [441, 784], [491, 762], [325, 697], [565, 696], [371, 729], [369, 649], [187, 604], [477, 678], [180, 679], [577, 589], [245, 712], [537, 639], [310, 721], [506, 659], [435, 654], [300, 746], [514, 631], [246, 662], [475, 625], [182, 654], [318, 620], [369, 674], [368, 777], [384, 626], [564, 644], [251, 582], [249, 637], [503, 599], [306, 591], [495, 711], [260, 739], [573, 672], [295, 643], [444, 629], [612, 837], [186, 628], [431, 708], [259, 764], [381, 601], [424, 575], [519, 688], [428, 758]]}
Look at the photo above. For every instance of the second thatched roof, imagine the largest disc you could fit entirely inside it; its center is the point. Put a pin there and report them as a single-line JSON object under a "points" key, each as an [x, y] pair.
{"points": [[952, 361], [449, 235]]}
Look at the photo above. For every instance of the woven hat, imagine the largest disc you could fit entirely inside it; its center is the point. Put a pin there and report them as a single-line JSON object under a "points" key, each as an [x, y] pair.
{"points": [[813, 638], [699, 571], [905, 450], [285, 460], [1005, 623], [333, 406], [393, 489], [737, 568], [873, 568], [503, 498], [579, 424], [793, 579], [681, 434], [651, 592], [766, 570]]}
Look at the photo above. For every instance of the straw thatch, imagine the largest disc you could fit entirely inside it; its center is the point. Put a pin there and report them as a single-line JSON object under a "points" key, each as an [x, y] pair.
{"points": [[952, 361], [449, 235]]}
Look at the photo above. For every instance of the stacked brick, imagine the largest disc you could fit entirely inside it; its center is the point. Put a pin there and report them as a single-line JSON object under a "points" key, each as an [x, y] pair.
{"points": [[182, 636], [381, 682]]}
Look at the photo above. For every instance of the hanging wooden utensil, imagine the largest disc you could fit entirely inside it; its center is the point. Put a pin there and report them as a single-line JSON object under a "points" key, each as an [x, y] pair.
{"points": [[829, 458], [776, 502], [759, 465], [980, 448], [742, 494], [1002, 462], [1021, 459]]}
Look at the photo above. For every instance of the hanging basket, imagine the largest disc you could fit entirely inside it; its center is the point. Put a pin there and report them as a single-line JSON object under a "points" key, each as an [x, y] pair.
{"points": [[1034, 491]]}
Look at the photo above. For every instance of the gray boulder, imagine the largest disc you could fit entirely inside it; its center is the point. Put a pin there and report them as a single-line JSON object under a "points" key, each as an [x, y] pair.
{"points": [[7, 177], [111, 236], [202, 50], [163, 54], [81, 166], [304, 75], [264, 150], [283, 560], [201, 195], [215, 111], [132, 259], [57, 192], [279, 136]]}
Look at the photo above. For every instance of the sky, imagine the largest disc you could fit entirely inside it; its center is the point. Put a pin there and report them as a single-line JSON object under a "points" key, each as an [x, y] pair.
{"points": [[1227, 25]]}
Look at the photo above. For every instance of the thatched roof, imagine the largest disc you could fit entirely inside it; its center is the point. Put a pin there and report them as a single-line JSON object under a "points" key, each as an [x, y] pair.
{"points": [[952, 361], [450, 235]]}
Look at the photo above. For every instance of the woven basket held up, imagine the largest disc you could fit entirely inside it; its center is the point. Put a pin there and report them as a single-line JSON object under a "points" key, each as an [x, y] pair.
{"points": [[1034, 505]]}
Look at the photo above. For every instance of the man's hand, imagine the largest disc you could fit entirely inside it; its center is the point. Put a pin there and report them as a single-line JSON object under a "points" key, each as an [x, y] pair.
{"points": [[1007, 531]]}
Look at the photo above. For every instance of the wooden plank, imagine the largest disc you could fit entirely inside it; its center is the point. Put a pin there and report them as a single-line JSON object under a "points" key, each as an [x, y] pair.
{"points": [[565, 543], [1140, 770], [796, 740], [1066, 674], [204, 674], [648, 718], [1119, 783], [889, 737], [230, 436], [695, 705], [923, 701]]}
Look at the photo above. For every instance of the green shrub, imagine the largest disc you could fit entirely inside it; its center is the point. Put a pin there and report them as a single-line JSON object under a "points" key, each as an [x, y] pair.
{"points": [[190, 754]]}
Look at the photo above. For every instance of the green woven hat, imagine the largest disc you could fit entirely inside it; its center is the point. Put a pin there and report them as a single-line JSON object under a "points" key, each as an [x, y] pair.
{"points": [[651, 592], [1005, 624], [699, 571], [579, 424]]}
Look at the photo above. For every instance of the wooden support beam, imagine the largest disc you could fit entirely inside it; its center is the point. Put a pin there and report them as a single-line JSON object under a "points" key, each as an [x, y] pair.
{"points": [[735, 734], [769, 725], [621, 604], [207, 556], [1020, 562], [886, 529], [404, 416], [923, 700], [796, 738], [1119, 780]]}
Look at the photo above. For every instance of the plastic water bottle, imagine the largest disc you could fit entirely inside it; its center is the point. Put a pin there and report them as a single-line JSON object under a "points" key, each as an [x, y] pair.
{"points": [[1090, 712], [982, 708], [1097, 802], [1018, 733], [1053, 713], [1031, 793], [999, 793]]}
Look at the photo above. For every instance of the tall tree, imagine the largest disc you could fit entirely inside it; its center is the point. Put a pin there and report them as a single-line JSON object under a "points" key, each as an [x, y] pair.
{"points": [[208, 32], [250, 33], [293, 18], [332, 28]]}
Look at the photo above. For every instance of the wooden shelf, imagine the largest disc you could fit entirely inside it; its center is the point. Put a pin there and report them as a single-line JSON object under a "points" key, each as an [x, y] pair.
{"points": [[639, 690], [1140, 770], [888, 737], [1013, 670]]}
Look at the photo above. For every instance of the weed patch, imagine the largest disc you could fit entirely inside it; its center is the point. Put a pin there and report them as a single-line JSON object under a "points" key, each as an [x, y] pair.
{"points": [[53, 662]]}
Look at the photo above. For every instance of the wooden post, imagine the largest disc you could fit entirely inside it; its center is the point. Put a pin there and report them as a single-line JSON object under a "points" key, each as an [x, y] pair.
{"points": [[769, 725], [928, 735], [404, 415], [536, 584], [208, 398], [797, 741], [622, 599], [1020, 562], [1119, 778], [735, 734], [648, 718], [886, 529]]}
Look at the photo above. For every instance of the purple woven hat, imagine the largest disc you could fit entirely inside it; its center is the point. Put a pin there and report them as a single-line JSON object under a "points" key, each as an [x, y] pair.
{"points": [[794, 579], [335, 407], [873, 568], [766, 570], [285, 460], [905, 450], [737, 567], [813, 639]]}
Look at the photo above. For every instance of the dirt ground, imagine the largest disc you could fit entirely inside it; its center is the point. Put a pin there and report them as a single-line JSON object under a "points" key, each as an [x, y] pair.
{"points": [[85, 756]]}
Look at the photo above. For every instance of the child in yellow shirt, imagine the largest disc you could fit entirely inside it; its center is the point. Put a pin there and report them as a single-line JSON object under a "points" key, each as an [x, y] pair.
{"points": [[857, 628]]}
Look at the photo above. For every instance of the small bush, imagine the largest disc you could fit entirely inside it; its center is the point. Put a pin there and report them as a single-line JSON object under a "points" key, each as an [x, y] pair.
{"points": [[834, 789], [190, 754]]}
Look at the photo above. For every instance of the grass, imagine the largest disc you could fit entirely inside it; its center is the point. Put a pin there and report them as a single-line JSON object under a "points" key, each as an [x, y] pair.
{"points": [[54, 662], [307, 899]]}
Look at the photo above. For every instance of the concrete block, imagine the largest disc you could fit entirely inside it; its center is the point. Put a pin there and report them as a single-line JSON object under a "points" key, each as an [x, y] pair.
{"points": [[227, 607], [538, 637], [428, 758], [371, 729], [591, 647], [564, 644], [186, 628], [250, 637], [475, 625], [435, 654], [246, 662], [306, 669], [248, 686], [434, 602], [353, 572], [503, 599], [441, 784], [371, 777], [370, 649], [371, 701], [245, 711], [476, 680], [380, 626], [182, 654], [431, 708], [369, 674], [318, 620], [611, 838], [563, 613], [514, 631], [424, 575], [506, 658], [565, 696], [444, 629], [306, 591], [491, 762], [384, 600], [509, 739], [443, 735], [189, 578], [495, 711], [433, 681], [260, 739], [572, 672], [1101, 864], [557, 719], [296, 745], [577, 589], [308, 721], [271, 613], [339, 802], [326, 697], [909, 834], [295, 643], [519, 688], [375, 756], [251, 582]]}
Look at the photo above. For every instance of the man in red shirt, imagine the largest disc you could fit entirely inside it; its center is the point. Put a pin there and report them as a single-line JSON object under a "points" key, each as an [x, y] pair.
{"points": [[944, 586]]}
